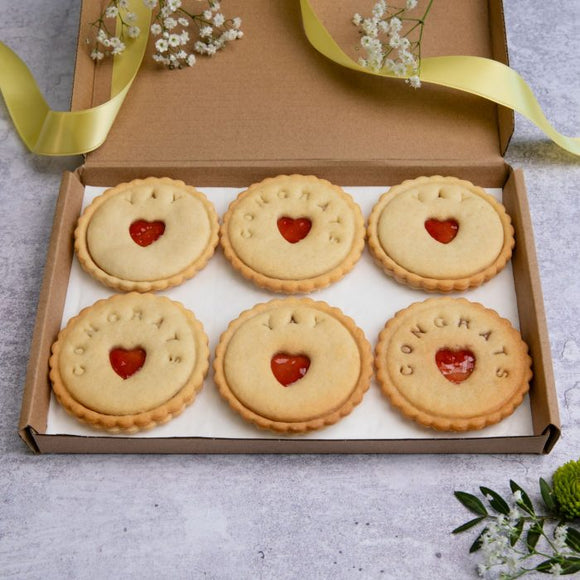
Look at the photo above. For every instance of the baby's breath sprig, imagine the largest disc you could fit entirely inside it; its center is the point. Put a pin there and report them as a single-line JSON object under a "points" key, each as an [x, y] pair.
{"points": [[171, 21], [515, 540], [106, 42], [392, 39], [213, 31]]}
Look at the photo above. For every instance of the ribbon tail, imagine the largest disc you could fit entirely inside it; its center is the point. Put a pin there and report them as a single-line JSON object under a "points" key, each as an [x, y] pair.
{"points": [[48, 132]]}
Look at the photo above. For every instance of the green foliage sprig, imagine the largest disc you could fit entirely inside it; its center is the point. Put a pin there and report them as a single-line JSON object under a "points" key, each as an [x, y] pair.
{"points": [[516, 539]]}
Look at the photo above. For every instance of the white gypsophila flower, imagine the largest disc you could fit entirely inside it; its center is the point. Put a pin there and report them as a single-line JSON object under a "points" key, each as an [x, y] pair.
{"points": [[556, 570], [111, 12], [514, 514], [517, 496], [150, 3], [219, 19], [190, 60], [161, 45], [131, 17], [174, 5], [379, 9], [369, 27], [97, 55], [396, 25], [237, 22], [215, 5], [405, 44], [207, 14], [205, 31], [184, 37], [400, 69], [239, 33], [414, 81], [165, 11], [133, 31], [123, 4], [560, 535], [101, 36], [182, 55], [411, 4], [183, 21], [118, 48], [174, 40], [156, 28], [357, 19], [230, 35], [200, 47], [211, 49], [395, 41], [170, 23]]}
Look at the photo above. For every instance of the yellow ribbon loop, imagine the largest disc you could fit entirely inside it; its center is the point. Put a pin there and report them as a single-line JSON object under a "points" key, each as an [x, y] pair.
{"points": [[48, 132], [479, 76]]}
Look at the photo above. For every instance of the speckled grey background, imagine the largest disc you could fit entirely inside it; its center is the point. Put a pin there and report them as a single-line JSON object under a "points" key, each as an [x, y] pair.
{"points": [[266, 516]]}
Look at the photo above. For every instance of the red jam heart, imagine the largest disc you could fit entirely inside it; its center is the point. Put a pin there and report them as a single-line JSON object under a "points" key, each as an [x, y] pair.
{"points": [[127, 362], [145, 233], [294, 230], [288, 368], [442, 231], [455, 365]]}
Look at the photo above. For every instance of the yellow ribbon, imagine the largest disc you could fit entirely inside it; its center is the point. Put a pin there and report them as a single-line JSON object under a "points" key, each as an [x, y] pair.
{"points": [[48, 132], [480, 76]]}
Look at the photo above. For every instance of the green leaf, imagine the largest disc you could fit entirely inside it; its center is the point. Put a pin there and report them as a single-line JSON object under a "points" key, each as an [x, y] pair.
{"points": [[547, 495], [534, 534], [546, 565], [516, 532], [569, 565], [497, 502], [573, 539], [478, 542], [526, 503], [468, 525], [471, 503]]}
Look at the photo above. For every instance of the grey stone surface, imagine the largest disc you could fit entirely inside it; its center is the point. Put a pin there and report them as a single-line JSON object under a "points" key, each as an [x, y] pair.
{"points": [[266, 516]]}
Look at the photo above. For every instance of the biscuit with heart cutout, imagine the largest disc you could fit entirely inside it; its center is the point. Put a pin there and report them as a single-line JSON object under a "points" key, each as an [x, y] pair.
{"points": [[440, 234], [293, 233], [293, 365]]}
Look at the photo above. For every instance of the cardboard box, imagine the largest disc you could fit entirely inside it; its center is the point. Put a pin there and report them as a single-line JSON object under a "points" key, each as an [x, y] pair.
{"points": [[271, 104]]}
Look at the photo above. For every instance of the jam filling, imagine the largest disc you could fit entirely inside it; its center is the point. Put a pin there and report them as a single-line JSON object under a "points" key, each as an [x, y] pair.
{"points": [[443, 231], [144, 233], [455, 365], [294, 230], [127, 362], [288, 368]]}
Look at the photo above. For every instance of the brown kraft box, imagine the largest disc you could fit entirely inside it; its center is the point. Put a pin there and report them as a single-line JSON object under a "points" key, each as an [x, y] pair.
{"points": [[270, 104]]}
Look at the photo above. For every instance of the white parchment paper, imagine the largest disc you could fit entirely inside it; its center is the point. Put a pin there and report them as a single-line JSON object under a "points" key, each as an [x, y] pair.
{"points": [[218, 294]]}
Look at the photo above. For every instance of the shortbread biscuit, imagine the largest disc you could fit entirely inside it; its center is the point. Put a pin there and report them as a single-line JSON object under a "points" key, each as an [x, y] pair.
{"points": [[147, 235], [452, 364], [129, 362], [440, 234], [293, 365], [293, 234]]}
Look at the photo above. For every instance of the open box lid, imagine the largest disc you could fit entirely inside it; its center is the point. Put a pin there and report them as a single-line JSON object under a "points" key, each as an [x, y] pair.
{"points": [[271, 100]]}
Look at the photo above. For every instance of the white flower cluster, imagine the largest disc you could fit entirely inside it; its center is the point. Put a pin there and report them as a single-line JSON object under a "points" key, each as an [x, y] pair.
{"points": [[213, 32], [106, 43], [385, 37], [503, 557], [171, 24]]}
